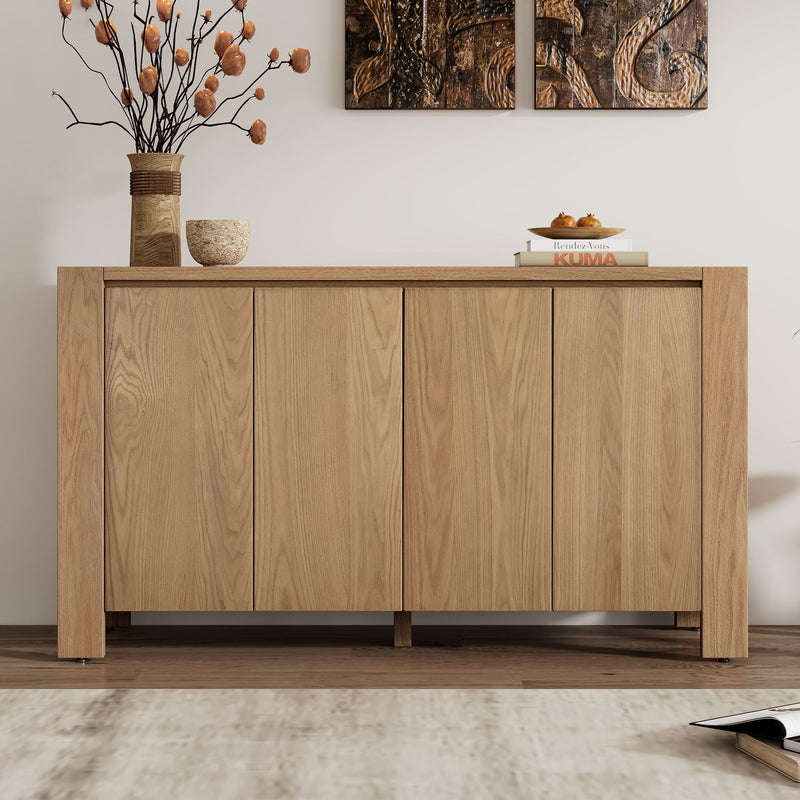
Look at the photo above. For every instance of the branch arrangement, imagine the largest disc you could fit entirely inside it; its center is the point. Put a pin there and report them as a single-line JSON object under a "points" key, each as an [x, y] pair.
{"points": [[175, 96]]}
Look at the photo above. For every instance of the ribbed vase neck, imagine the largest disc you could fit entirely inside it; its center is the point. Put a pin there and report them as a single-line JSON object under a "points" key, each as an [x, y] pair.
{"points": [[156, 162]]}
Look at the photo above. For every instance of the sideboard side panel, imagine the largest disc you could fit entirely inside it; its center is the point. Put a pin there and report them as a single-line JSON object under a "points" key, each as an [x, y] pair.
{"points": [[724, 615], [81, 617]]}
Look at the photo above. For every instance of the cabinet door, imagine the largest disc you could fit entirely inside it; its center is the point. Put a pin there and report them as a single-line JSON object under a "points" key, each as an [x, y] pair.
{"points": [[626, 449], [179, 457], [328, 424], [477, 449]]}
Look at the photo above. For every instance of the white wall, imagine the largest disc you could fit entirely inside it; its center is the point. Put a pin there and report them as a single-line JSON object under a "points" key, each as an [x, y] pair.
{"points": [[331, 187]]}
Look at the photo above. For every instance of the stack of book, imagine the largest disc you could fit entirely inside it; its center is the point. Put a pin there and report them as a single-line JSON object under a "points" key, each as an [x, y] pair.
{"points": [[770, 735], [612, 252]]}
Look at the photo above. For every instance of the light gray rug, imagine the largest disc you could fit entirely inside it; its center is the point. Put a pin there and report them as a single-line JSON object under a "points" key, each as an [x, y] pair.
{"points": [[351, 744]]}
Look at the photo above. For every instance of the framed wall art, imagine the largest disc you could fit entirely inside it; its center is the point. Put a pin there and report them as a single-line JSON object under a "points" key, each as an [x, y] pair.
{"points": [[621, 54], [429, 54]]}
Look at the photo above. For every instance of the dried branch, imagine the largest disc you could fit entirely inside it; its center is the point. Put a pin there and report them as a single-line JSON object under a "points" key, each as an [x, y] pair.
{"points": [[163, 120], [94, 124]]}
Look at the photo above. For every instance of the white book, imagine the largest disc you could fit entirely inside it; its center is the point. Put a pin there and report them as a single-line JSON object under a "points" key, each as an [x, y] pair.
{"points": [[780, 722], [542, 245]]}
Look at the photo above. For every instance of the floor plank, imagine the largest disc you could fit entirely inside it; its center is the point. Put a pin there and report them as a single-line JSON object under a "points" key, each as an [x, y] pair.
{"points": [[363, 656]]}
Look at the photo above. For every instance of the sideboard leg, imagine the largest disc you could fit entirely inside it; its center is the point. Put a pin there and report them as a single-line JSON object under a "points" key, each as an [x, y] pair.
{"points": [[402, 629], [724, 446], [81, 394], [687, 619]]}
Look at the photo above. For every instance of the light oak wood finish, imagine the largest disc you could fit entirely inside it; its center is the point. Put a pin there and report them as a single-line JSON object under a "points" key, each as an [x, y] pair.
{"points": [[179, 454], [770, 753], [362, 656], [405, 274], [724, 627], [687, 619], [626, 452], [477, 449], [328, 385], [499, 354], [156, 217], [402, 629], [81, 623]]}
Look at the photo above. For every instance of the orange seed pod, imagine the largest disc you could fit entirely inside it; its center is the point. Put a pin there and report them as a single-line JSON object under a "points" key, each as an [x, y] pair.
{"points": [[148, 80], [233, 61], [105, 32], [301, 60], [248, 30], [164, 8], [152, 38], [65, 7], [126, 96], [205, 103], [274, 54], [181, 57], [258, 132], [212, 83], [259, 93], [222, 42]]}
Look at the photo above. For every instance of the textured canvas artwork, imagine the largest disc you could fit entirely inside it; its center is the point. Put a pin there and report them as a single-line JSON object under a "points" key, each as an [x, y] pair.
{"points": [[429, 54], [621, 54]]}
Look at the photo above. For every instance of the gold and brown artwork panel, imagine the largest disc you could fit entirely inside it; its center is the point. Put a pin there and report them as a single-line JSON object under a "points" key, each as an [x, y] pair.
{"points": [[429, 54], [621, 54]]}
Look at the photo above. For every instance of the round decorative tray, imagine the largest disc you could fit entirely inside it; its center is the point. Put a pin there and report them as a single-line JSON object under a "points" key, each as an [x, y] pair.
{"points": [[576, 233]]}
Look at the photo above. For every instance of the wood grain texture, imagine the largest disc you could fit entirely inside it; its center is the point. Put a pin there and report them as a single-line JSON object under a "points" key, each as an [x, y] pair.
{"points": [[687, 619], [770, 752], [402, 274], [328, 449], [621, 54], [402, 629], [155, 218], [477, 449], [436, 54], [81, 621], [179, 454], [362, 656], [626, 449], [724, 462]]}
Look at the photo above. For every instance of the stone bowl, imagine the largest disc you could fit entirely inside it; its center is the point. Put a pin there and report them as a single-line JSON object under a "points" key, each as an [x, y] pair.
{"points": [[218, 242]]}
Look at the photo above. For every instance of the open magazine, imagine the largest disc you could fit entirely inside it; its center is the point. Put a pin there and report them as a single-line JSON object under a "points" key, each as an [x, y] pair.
{"points": [[780, 722]]}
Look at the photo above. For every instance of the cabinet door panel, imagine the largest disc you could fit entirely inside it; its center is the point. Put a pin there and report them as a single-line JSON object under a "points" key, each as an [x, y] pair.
{"points": [[477, 449], [179, 456], [626, 454], [328, 448]]}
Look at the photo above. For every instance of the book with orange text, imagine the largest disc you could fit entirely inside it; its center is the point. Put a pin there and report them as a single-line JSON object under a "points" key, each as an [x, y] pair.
{"points": [[606, 258]]}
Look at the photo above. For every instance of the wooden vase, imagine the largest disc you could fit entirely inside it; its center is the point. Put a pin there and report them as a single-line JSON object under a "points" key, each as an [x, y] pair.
{"points": [[155, 209]]}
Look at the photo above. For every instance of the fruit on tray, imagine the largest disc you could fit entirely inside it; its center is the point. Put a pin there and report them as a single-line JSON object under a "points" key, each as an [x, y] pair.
{"points": [[563, 221], [589, 221]]}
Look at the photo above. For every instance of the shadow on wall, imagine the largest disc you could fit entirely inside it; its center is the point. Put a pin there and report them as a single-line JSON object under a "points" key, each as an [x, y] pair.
{"points": [[763, 490], [780, 549], [28, 442]]}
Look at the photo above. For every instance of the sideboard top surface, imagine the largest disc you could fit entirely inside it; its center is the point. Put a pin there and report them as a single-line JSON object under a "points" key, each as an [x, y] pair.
{"points": [[400, 274]]}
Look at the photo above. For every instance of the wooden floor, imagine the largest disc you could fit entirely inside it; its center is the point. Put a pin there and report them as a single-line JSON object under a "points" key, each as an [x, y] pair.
{"points": [[361, 656]]}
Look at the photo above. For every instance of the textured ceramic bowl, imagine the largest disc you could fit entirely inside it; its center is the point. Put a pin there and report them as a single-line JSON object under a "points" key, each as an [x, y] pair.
{"points": [[218, 242]]}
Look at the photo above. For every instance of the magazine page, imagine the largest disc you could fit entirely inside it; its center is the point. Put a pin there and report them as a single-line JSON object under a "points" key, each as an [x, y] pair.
{"points": [[778, 721]]}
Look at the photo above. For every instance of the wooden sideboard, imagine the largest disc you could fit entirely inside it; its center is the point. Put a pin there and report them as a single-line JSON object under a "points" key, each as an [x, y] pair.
{"points": [[402, 439]]}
